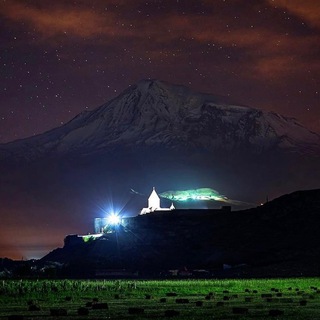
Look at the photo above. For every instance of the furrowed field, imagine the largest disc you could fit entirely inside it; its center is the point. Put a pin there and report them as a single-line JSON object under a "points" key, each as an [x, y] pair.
{"points": [[177, 299]]}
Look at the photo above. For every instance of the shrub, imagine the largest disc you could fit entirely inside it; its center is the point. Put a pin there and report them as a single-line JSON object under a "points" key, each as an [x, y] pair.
{"points": [[15, 317], [133, 310], [171, 313], [58, 312], [181, 300], [171, 294], [276, 312], [199, 303], [82, 311], [240, 310], [303, 302], [33, 307], [102, 305]]}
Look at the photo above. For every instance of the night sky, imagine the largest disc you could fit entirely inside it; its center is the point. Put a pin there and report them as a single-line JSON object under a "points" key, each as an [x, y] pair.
{"points": [[59, 58]]}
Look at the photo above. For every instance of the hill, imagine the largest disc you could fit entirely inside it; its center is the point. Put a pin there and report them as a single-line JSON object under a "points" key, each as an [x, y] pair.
{"points": [[279, 238]]}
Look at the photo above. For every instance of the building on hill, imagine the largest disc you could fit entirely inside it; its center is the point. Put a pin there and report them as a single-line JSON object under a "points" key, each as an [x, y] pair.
{"points": [[154, 204], [106, 225]]}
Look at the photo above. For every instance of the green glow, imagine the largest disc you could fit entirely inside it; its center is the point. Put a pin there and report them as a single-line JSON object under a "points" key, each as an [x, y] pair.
{"points": [[88, 238], [194, 194]]}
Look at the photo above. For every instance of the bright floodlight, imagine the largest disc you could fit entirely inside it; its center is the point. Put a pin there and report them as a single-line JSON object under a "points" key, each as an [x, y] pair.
{"points": [[113, 219]]}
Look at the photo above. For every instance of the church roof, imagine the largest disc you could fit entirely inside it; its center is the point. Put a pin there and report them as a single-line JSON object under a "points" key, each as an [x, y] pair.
{"points": [[154, 194]]}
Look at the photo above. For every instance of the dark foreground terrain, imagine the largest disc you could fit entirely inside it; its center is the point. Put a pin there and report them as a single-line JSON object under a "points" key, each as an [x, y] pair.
{"points": [[277, 239], [187, 299], [280, 238]]}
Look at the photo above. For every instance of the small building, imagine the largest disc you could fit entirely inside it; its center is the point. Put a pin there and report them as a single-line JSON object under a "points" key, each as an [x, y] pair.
{"points": [[154, 204], [100, 225]]}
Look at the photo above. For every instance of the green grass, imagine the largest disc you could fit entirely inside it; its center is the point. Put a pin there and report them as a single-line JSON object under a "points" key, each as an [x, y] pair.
{"points": [[123, 294]]}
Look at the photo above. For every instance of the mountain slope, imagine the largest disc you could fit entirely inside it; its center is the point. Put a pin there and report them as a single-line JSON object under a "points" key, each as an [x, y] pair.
{"points": [[156, 114]]}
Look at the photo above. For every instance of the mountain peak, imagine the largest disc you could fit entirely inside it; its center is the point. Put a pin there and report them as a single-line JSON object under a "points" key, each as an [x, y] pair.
{"points": [[157, 86], [147, 83]]}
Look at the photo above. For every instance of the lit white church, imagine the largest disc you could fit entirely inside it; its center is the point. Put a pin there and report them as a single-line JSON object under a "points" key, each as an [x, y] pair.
{"points": [[154, 204]]}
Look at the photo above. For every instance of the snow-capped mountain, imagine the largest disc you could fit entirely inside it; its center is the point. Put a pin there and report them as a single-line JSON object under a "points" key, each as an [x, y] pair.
{"points": [[157, 114]]}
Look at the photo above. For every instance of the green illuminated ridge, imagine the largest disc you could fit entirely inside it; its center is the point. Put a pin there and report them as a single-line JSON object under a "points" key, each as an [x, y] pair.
{"points": [[193, 194]]}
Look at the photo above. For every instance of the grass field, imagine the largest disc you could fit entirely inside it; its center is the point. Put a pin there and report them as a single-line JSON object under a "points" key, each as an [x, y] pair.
{"points": [[151, 299]]}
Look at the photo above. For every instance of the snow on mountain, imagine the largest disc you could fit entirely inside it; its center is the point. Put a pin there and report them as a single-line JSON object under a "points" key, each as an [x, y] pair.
{"points": [[155, 113]]}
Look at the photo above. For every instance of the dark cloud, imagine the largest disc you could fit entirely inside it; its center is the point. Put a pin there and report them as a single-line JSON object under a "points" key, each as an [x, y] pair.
{"points": [[307, 11]]}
